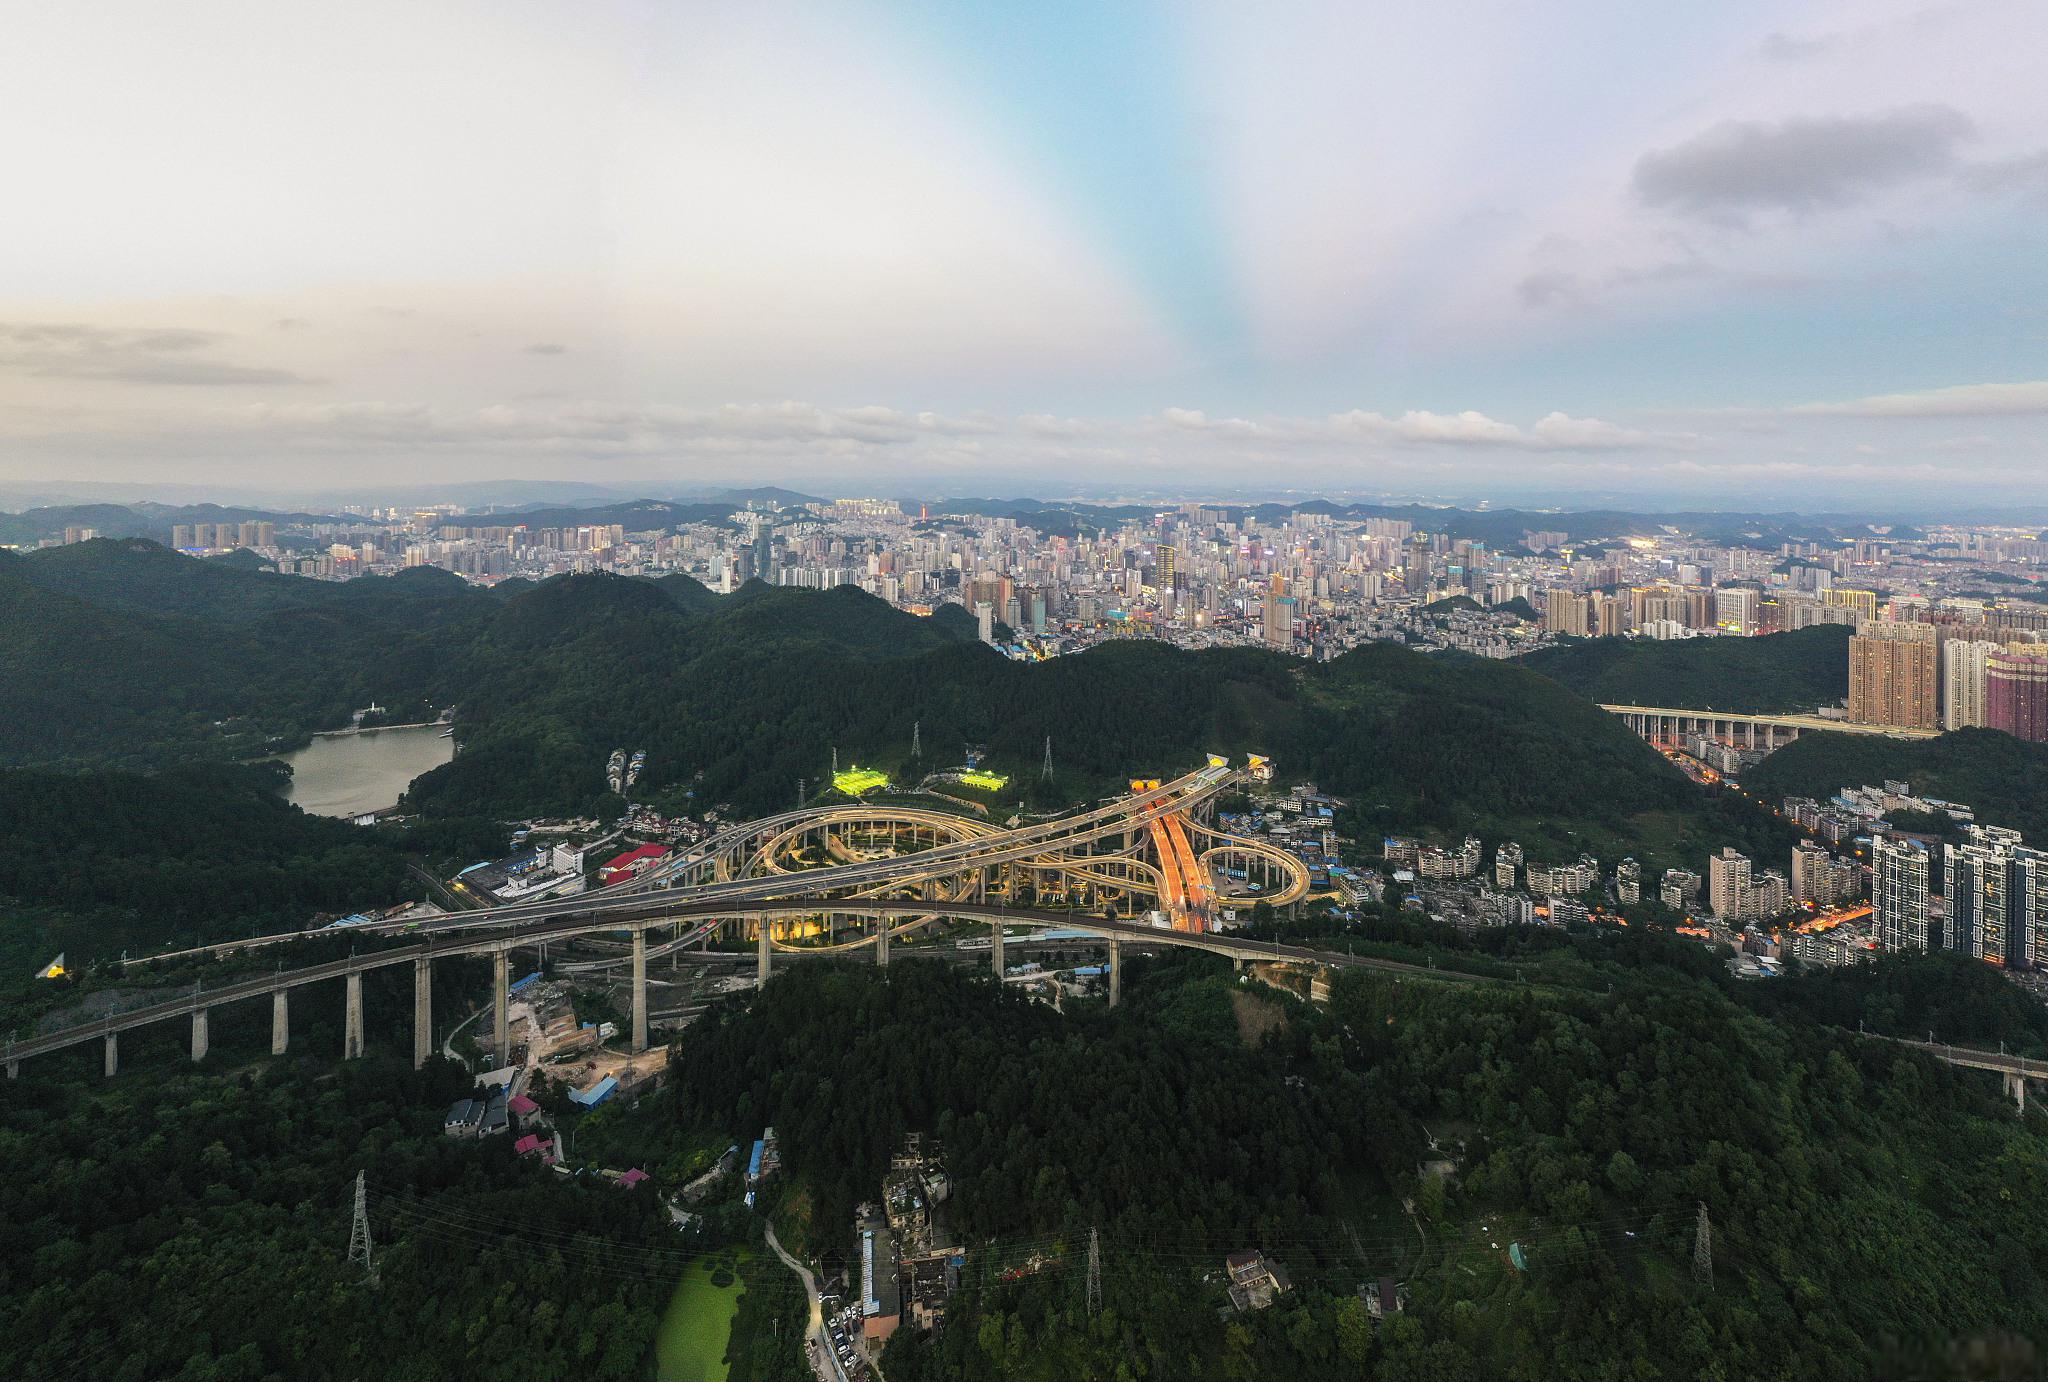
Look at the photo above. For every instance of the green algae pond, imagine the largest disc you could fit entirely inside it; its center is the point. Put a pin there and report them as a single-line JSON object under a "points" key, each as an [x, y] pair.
{"points": [[690, 1346]]}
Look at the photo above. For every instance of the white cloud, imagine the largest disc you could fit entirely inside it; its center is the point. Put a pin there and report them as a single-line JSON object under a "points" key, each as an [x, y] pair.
{"points": [[163, 355], [1960, 400], [1555, 431]]}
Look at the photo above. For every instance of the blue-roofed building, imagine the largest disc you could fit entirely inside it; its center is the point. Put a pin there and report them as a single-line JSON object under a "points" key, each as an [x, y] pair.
{"points": [[597, 1093]]}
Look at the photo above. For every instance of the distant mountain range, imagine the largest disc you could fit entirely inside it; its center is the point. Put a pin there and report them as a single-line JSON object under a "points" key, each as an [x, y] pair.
{"points": [[550, 504], [564, 502]]}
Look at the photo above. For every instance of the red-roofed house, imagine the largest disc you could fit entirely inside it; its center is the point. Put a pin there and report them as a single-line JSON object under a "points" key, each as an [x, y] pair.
{"points": [[522, 1108], [529, 1143], [629, 864], [632, 1178]]}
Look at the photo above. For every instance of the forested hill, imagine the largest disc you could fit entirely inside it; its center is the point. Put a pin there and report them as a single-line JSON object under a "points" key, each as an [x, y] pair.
{"points": [[101, 862], [758, 694], [1871, 1212], [2002, 777], [119, 653], [122, 652], [1780, 673]]}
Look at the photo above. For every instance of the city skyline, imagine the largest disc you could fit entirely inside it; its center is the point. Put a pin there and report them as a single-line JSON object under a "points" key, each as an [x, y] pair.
{"points": [[1739, 256]]}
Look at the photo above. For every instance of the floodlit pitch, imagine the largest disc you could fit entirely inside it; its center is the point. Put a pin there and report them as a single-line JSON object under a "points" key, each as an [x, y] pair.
{"points": [[858, 781]]}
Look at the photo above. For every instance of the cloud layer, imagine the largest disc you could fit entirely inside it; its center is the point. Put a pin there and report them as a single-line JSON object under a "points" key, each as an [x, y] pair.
{"points": [[66, 350], [1207, 240], [1802, 164]]}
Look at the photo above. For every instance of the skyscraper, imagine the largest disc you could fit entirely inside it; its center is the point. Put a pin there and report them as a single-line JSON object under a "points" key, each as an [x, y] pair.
{"points": [[1964, 664], [1997, 907], [1735, 609], [1892, 675], [1728, 883], [1898, 894], [1566, 613], [1168, 564], [1279, 615], [2016, 695]]}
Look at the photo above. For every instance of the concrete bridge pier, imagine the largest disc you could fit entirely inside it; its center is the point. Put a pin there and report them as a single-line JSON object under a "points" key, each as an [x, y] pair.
{"points": [[1116, 971], [112, 1061], [352, 1020], [766, 948], [640, 989], [501, 1000], [13, 1069], [280, 1022], [199, 1034], [422, 1011], [2016, 1089], [881, 940], [995, 950]]}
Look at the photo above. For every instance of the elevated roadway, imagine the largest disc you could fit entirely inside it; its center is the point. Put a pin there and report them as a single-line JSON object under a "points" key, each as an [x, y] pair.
{"points": [[742, 875], [1668, 724], [718, 867], [700, 918]]}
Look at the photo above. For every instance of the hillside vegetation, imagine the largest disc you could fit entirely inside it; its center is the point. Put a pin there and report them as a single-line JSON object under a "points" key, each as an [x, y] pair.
{"points": [[2001, 776], [121, 652], [1872, 1211], [760, 693], [180, 1223], [1780, 673], [737, 699], [752, 690]]}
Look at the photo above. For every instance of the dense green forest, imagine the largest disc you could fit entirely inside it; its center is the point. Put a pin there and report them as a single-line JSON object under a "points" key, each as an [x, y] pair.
{"points": [[1776, 674], [123, 653], [739, 698], [1873, 1213], [193, 1225], [742, 702], [99, 862], [1947, 996], [1997, 774]]}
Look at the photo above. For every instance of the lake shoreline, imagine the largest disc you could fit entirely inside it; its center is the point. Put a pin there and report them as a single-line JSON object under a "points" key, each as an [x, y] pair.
{"points": [[352, 773], [373, 729]]}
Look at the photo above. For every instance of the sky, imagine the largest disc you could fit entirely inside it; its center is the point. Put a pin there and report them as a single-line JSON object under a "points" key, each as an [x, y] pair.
{"points": [[1789, 253]]}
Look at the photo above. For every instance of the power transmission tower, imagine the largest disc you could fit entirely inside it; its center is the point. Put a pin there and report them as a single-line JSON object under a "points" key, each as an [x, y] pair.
{"points": [[1046, 772], [835, 760], [359, 1234], [1094, 1273], [916, 742], [1703, 1250], [799, 793]]}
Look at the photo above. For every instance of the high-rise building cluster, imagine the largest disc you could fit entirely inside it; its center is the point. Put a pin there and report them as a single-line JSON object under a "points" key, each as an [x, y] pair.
{"points": [[255, 534], [1930, 649], [1992, 905]]}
